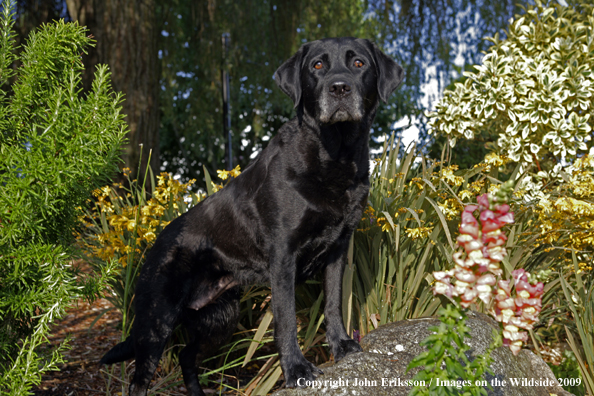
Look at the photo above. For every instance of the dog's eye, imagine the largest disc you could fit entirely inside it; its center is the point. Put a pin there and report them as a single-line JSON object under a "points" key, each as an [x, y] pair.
{"points": [[318, 65], [358, 63]]}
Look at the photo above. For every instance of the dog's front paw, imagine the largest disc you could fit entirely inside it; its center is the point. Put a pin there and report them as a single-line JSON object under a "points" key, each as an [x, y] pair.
{"points": [[300, 373], [344, 347]]}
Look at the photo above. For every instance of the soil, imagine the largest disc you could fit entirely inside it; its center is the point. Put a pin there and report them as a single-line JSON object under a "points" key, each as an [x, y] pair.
{"points": [[81, 375]]}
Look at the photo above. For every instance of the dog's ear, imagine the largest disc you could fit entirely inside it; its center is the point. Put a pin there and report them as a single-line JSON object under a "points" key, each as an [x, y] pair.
{"points": [[288, 76], [389, 73]]}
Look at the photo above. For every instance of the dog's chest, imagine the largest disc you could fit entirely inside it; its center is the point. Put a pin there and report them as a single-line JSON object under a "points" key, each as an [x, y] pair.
{"points": [[324, 231]]}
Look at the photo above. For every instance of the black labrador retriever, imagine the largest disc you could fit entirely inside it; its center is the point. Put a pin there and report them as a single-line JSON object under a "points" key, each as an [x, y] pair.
{"points": [[290, 214]]}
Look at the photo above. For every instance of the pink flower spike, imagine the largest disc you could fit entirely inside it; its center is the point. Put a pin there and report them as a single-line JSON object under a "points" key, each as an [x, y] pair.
{"points": [[490, 225], [464, 275], [515, 347], [468, 297], [535, 303], [507, 218], [483, 201], [514, 335], [459, 258], [487, 279], [443, 288], [469, 229], [476, 257], [534, 291], [495, 269], [460, 287], [505, 315], [442, 275], [470, 208], [505, 286], [484, 293], [469, 225], [508, 303], [487, 215], [495, 238], [464, 238], [502, 209], [519, 274], [497, 253], [473, 245]]}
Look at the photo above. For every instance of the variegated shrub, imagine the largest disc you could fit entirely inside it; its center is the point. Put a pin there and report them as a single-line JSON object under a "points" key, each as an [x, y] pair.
{"points": [[534, 90]]}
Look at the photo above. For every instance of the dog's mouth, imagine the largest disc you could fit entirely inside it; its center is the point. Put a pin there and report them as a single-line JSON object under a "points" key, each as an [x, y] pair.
{"points": [[340, 113]]}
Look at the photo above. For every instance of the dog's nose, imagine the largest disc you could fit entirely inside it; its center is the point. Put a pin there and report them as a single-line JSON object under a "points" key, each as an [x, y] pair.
{"points": [[340, 88]]}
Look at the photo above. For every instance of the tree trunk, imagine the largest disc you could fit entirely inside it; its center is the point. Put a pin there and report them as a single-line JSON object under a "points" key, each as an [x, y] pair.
{"points": [[126, 33]]}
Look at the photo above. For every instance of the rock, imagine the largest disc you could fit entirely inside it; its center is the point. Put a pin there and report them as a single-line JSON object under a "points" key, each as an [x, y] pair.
{"points": [[381, 368]]}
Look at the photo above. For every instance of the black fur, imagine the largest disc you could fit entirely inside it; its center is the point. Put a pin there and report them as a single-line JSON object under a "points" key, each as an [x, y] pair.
{"points": [[290, 214]]}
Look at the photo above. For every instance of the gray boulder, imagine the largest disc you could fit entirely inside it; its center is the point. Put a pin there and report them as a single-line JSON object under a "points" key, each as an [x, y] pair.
{"points": [[381, 368]]}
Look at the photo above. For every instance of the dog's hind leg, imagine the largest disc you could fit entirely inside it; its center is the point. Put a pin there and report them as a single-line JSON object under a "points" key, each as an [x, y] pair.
{"points": [[209, 328], [152, 328]]}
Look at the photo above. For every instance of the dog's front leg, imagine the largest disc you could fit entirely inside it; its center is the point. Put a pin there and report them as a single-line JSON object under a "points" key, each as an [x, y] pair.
{"points": [[296, 368], [340, 343]]}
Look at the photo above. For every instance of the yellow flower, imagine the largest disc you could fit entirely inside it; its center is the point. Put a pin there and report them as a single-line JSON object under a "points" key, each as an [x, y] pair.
{"points": [[158, 210], [125, 236], [235, 171], [223, 174], [162, 179], [495, 159], [146, 210], [382, 222], [493, 188], [519, 193], [477, 185], [150, 236], [450, 208], [447, 174], [574, 207], [417, 181], [587, 161], [465, 194], [420, 232], [116, 221], [131, 225]]}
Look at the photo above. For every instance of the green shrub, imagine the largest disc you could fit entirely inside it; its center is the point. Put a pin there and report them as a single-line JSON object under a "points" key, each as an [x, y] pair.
{"points": [[56, 146]]}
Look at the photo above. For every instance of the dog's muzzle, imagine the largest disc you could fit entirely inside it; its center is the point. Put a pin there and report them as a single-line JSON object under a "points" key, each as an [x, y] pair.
{"points": [[340, 102]]}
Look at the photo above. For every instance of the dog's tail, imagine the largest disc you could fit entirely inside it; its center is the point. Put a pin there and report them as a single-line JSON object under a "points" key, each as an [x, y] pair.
{"points": [[119, 353]]}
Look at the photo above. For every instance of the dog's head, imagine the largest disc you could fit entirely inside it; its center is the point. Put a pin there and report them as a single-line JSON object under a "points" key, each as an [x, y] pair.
{"points": [[339, 79]]}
